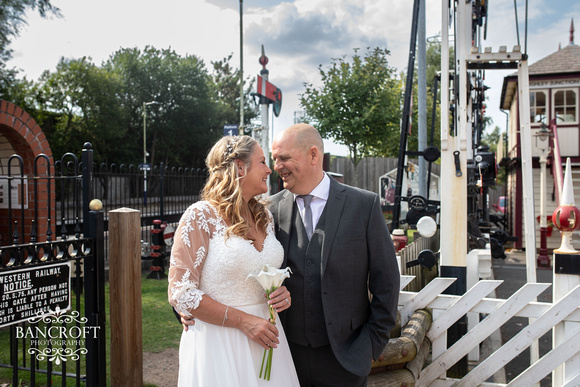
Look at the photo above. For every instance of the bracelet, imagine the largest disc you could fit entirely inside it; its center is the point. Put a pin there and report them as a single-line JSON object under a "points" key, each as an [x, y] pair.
{"points": [[225, 316]]}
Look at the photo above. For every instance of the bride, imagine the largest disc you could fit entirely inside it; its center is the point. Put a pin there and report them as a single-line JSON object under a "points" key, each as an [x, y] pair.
{"points": [[219, 241]]}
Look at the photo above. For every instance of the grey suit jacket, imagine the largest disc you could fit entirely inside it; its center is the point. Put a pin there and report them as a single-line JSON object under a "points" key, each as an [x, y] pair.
{"points": [[357, 250]]}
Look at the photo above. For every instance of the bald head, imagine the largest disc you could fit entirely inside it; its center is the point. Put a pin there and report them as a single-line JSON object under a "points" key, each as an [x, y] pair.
{"points": [[302, 136], [298, 153]]}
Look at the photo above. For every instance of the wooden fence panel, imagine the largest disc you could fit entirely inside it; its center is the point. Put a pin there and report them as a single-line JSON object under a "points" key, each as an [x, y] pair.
{"points": [[461, 307], [524, 339], [448, 309], [485, 328]]}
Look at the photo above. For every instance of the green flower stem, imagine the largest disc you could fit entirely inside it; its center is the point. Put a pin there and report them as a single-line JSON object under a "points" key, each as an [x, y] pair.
{"points": [[268, 370]]}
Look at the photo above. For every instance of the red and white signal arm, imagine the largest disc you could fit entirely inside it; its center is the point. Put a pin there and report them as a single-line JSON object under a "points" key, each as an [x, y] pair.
{"points": [[277, 106], [274, 94], [168, 234]]}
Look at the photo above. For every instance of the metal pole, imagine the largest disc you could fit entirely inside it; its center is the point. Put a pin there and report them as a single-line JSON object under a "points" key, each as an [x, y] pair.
{"points": [[145, 167], [528, 183], [406, 117], [264, 135], [144, 154], [422, 99], [543, 259], [241, 69]]}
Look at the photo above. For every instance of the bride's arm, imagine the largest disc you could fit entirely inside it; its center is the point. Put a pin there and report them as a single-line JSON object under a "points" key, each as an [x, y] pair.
{"points": [[188, 255], [255, 328]]}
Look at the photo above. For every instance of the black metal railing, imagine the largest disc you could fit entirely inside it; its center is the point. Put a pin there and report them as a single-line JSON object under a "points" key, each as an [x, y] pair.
{"points": [[41, 211]]}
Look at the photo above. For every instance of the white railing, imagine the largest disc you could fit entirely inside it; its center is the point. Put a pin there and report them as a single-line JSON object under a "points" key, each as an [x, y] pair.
{"points": [[448, 309]]}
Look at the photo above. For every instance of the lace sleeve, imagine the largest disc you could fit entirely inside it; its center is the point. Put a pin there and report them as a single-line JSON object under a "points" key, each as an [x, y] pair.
{"points": [[188, 256]]}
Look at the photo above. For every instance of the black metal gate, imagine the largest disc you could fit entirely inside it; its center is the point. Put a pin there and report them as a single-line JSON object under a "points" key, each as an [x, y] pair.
{"points": [[52, 277]]}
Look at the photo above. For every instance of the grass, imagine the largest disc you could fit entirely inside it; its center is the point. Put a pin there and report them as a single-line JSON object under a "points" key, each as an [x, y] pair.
{"points": [[161, 331]]}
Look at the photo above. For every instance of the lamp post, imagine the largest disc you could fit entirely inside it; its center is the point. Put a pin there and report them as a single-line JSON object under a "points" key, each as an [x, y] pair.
{"points": [[145, 166], [543, 145]]}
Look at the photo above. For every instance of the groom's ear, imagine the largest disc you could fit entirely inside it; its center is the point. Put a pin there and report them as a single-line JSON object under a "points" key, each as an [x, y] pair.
{"points": [[313, 155]]}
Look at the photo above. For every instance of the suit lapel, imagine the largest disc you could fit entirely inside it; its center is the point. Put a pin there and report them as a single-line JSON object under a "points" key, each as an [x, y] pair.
{"points": [[334, 207], [285, 208]]}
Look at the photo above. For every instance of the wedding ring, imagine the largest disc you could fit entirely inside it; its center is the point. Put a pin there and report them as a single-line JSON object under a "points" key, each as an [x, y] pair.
{"points": [[287, 302]]}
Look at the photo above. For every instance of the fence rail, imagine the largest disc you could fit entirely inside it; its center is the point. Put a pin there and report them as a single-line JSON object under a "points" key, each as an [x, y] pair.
{"points": [[61, 263], [447, 309]]}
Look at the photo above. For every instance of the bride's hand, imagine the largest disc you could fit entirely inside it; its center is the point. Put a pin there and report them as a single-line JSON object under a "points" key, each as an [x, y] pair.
{"points": [[280, 299], [261, 331]]}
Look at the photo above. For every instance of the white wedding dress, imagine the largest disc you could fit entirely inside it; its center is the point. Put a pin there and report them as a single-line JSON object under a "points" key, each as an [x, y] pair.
{"points": [[204, 263]]}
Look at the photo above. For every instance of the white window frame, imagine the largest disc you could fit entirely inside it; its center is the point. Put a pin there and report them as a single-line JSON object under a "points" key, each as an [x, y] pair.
{"points": [[553, 109], [546, 107]]}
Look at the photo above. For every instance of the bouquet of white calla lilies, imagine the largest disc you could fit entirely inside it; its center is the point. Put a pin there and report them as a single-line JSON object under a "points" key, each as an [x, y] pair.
{"points": [[271, 279]]}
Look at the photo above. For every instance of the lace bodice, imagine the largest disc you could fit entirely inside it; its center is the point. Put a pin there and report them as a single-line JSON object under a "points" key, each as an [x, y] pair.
{"points": [[204, 262]]}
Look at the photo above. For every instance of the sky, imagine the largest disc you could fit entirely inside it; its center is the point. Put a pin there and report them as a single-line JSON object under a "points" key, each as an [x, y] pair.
{"points": [[298, 36]]}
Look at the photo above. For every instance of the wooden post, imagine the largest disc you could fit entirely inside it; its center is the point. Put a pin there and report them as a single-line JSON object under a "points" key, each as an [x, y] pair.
{"points": [[125, 297]]}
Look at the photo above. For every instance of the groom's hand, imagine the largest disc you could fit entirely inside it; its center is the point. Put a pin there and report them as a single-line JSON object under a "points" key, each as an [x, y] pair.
{"points": [[187, 321]]}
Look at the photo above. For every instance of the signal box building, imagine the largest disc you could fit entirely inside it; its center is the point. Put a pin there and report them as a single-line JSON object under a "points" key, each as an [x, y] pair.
{"points": [[554, 84]]}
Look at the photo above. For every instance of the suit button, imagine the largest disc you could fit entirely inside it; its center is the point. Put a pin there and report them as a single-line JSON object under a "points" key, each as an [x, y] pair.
{"points": [[309, 331], [309, 280], [309, 297], [309, 263], [308, 314]]}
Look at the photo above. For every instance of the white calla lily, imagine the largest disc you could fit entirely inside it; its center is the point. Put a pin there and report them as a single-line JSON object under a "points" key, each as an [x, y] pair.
{"points": [[271, 279]]}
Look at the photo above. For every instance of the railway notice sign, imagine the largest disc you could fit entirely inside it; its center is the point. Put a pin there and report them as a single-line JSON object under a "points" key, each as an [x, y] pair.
{"points": [[34, 292]]}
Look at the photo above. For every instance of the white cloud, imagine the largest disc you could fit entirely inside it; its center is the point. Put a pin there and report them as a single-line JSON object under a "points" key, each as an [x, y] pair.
{"points": [[298, 35]]}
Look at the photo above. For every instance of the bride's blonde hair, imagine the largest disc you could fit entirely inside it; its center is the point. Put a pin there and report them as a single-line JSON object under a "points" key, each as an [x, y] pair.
{"points": [[222, 188]]}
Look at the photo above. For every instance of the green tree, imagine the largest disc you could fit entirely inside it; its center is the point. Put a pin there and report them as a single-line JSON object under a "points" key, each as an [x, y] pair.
{"points": [[226, 89], [184, 124], [12, 19], [491, 139], [358, 104], [79, 103]]}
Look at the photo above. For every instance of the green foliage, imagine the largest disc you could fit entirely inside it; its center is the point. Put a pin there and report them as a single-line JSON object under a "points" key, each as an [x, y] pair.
{"points": [[226, 91], [183, 126], [78, 103], [81, 102], [491, 139], [358, 104], [13, 17]]}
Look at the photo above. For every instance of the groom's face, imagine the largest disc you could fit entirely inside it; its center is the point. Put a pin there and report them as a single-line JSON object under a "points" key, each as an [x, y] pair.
{"points": [[292, 164]]}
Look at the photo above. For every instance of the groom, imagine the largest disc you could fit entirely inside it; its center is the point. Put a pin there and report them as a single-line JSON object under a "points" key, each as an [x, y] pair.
{"points": [[338, 246]]}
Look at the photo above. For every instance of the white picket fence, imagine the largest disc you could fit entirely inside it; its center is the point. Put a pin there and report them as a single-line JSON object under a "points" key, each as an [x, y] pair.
{"points": [[448, 309]]}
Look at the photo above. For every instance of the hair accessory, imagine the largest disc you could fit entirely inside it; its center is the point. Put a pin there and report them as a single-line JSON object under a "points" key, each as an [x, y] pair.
{"points": [[231, 145]]}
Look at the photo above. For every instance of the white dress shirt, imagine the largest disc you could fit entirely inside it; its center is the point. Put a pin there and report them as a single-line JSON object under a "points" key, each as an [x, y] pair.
{"points": [[319, 199]]}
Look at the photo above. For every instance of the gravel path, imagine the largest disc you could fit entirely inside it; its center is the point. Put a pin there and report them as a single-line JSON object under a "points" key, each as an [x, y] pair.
{"points": [[161, 369]]}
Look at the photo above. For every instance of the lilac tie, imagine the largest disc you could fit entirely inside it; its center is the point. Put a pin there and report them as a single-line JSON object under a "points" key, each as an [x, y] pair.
{"points": [[307, 214]]}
